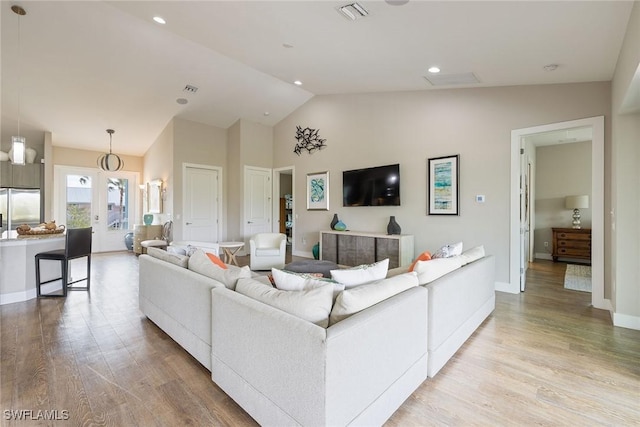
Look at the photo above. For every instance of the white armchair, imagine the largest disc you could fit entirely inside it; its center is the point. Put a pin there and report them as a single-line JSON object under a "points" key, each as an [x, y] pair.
{"points": [[267, 250]]}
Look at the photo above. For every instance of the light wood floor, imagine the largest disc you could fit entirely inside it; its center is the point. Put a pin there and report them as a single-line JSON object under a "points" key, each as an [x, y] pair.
{"points": [[543, 358]]}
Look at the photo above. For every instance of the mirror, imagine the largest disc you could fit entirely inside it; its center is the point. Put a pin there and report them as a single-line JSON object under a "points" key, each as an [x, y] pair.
{"points": [[154, 196]]}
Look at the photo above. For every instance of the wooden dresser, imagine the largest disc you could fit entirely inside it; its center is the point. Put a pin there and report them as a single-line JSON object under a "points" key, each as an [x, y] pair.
{"points": [[571, 243]]}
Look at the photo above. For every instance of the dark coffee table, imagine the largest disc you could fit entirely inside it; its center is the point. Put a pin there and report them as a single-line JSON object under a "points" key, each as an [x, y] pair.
{"points": [[312, 266]]}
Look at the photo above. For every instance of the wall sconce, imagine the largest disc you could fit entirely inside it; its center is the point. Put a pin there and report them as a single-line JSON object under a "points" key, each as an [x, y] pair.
{"points": [[576, 203]]}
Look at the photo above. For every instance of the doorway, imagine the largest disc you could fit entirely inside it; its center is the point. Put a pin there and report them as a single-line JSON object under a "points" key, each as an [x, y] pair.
{"points": [[518, 137], [284, 208], [106, 201]]}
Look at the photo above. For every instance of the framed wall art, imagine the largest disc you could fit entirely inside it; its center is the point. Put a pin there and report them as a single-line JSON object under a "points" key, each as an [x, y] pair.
{"points": [[318, 191], [443, 186]]}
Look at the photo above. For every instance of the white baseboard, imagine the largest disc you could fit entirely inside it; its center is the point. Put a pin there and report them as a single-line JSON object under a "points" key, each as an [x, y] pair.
{"points": [[543, 255], [303, 254], [507, 287], [626, 321]]}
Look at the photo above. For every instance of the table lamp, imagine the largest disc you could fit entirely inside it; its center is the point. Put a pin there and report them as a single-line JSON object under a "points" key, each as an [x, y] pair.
{"points": [[576, 203]]}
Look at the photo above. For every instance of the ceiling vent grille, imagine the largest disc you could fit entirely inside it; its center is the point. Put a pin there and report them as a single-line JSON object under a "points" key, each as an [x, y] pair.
{"points": [[452, 79], [190, 89], [353, 11]]}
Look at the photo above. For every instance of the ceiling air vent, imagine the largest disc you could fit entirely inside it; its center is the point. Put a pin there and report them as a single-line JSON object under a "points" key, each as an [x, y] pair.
{"points": [[190, 89], [452, 79], [353, 11]]}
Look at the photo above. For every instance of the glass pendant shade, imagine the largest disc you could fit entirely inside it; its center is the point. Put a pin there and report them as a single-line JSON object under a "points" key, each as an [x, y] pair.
{"points": [[18, 145]]}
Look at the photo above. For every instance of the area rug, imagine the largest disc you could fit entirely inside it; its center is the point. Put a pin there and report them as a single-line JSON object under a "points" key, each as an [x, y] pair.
{"points": [[578, 277]]}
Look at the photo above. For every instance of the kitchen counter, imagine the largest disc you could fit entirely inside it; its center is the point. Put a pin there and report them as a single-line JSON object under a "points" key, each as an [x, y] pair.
{"points": [[17, 264]]}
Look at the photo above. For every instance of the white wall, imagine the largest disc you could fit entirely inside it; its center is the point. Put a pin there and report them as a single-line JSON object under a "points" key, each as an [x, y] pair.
{"points": [[625, 236], [365, 130]]}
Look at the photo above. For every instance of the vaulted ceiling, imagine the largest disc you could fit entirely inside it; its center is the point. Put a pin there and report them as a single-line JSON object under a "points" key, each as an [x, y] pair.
{"points": [[78, 68]]}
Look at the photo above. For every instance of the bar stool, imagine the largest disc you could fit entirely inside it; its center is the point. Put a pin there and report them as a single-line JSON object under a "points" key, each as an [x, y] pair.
{"points": [[77, 245]]}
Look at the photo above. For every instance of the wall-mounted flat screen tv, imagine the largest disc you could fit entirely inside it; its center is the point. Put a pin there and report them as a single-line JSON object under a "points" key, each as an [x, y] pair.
{"points": [[379, 186]]}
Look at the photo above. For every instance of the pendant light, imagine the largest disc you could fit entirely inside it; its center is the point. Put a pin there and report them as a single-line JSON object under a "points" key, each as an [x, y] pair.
{"points": [[18, 143], [110, 162]]}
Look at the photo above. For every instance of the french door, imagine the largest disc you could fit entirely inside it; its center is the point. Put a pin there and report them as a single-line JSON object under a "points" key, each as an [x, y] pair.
{"points": [[106, 201]]}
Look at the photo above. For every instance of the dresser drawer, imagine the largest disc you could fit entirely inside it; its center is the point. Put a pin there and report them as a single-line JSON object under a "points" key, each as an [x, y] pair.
{"points": [[573, 236], [575, 244]]}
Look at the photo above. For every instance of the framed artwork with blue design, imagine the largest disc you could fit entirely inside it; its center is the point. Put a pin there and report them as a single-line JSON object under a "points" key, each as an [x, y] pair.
{"points": [[318, 191], [443, 187]]}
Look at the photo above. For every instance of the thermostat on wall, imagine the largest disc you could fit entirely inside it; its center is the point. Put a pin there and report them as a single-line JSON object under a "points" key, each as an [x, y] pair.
{"points": [[480, 198]]}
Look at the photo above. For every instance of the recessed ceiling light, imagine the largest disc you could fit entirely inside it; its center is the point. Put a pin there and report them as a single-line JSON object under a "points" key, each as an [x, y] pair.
{"points": [[297, 83], [182, 101], [434, 70], [266, 113], [550, 67], [159, 20], [397, 2], [287, 45]]}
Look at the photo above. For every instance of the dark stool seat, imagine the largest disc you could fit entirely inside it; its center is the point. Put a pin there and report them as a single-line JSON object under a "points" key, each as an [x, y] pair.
{"points": [[77, 245], [312, 266]]}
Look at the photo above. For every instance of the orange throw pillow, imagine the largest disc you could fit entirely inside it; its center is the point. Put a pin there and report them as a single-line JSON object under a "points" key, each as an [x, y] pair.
{"points": [[217, 261], [424, 256]]}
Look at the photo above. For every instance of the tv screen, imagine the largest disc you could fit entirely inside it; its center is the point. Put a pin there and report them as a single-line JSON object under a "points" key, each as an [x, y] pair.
{"points": [[379, 186]]}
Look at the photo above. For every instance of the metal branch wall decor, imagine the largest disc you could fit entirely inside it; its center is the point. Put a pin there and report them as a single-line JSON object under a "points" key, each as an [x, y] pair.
{"points": [[308, 139]]}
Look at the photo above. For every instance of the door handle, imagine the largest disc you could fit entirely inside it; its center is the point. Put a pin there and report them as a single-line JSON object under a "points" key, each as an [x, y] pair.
{"points": [[188, 223], [249, 222]]}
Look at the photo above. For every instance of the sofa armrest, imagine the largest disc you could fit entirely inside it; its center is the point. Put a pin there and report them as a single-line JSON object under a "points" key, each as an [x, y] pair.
{"points": [[279, 357], [180, 293], [369, 351]]}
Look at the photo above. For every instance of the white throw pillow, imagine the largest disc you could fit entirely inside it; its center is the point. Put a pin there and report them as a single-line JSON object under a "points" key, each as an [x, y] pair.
{"points": [[472, 254], [428, 271], [200, 263], [291, 281], [361, 274], [447, 251], [312, 305], [351, 301]]}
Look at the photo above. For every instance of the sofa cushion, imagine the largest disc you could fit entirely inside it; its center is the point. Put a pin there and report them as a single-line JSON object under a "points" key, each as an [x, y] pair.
{"points": [[361, 274], [217, 261], [428, 271], [472, 254], [448, 251], [200, 263], [312, 305], [176, 259], [353, 300]]}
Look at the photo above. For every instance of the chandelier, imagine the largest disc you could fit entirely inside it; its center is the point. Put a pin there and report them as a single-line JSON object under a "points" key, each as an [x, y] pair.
{"points": [[110, 162]]}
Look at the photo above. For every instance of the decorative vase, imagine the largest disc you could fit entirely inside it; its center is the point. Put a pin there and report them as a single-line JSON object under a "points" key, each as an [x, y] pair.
{"points": [[340, 226], [128, 241], [393, 227], [147, 218], [334, 221], [316, 251], [30, 155]]}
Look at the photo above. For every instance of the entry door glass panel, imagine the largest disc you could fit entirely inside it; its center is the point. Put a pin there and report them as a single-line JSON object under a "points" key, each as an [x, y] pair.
{"points": [[79, 197], [117, 203]]}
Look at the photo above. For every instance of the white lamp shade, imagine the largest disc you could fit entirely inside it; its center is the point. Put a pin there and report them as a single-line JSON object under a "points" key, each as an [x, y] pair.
{"points": [[576, 202]]}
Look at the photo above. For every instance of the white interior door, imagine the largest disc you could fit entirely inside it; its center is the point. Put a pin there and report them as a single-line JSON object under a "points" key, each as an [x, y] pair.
{"points": [[201, 204], [525, 215], [85, 197], [257, 200]]}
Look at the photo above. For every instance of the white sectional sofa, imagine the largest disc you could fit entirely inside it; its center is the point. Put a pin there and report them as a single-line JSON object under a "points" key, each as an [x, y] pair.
{"points": [[284, 370]]}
